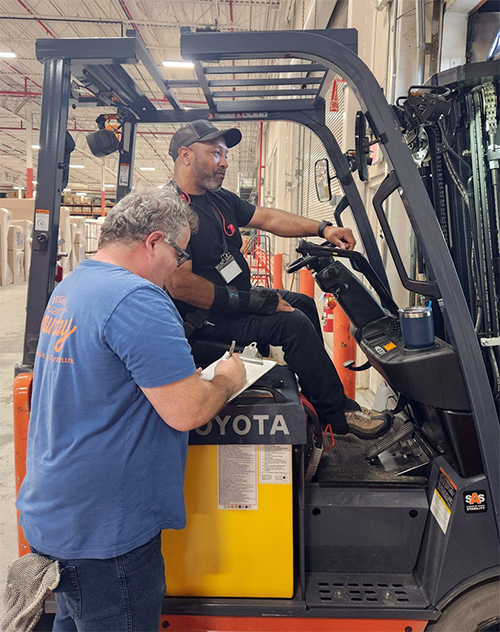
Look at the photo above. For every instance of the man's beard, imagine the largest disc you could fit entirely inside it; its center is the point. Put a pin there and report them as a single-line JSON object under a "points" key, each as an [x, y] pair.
{"points": [[210, 183]]}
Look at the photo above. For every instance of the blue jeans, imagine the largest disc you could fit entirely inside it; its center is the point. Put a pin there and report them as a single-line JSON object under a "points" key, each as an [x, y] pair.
{"points": [[119, 594]]}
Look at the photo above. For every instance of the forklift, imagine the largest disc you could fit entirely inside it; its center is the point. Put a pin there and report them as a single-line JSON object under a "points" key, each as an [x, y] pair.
{"points": [[395, 535]]}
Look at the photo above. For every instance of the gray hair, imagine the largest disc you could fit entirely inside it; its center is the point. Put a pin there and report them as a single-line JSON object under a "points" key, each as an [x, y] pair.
{"points": [[145, 210]]}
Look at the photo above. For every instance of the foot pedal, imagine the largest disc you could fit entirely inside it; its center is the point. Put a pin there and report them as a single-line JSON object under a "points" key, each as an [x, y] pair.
{"points": [[387, 442]]}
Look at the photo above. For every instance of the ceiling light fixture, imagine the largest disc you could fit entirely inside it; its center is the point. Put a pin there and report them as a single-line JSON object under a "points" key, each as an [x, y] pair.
{"points": [[178, 64], [7, 54], [77, 166], [35, 147], [147, 168]]}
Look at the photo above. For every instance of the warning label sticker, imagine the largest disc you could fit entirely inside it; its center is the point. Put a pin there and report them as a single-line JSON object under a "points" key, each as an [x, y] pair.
{"points": [[275, 464], [475, 501], [443, 499], [237, 476], [123, 174], [42, 219]]}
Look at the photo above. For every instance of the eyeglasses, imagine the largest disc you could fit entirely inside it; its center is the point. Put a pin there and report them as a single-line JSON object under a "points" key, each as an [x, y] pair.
{"points": [[182, 255]]}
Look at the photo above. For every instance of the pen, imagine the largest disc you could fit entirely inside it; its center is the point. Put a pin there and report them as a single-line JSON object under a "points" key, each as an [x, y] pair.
{"points": [[231, 349]]}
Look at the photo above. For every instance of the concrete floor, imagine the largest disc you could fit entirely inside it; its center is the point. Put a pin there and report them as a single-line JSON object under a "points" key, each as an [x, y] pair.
{"points": [[12, 323]]}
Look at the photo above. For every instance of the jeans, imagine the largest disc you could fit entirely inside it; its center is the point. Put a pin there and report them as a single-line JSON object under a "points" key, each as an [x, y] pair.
{"points": [[299, 333], [119, 594]]}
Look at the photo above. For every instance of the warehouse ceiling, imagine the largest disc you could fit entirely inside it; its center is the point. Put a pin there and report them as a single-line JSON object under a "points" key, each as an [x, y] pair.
{"points": [[158, 24]]}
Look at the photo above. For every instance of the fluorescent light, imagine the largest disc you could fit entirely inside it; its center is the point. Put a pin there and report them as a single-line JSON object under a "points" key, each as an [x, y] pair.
{"points": [[109, 185], [7, 54], [77, 166], [66, 190], [160, 186], [35, 146], [35, 182], [147, 168], [178, 64]]}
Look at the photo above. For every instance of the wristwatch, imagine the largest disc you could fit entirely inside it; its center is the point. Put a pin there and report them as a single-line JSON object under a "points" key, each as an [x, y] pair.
{"points": [[322, 225]]}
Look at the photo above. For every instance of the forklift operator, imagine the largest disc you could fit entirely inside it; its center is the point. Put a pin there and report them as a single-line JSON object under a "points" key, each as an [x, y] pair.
{"points": [[217, 278], [115, 391]]}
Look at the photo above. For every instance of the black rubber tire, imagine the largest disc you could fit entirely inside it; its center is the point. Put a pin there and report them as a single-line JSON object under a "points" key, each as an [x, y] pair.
{"points": [[478, 610]]}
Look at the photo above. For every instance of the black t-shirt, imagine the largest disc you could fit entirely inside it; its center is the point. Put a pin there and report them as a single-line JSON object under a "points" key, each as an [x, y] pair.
{"points": [[220, 215]]}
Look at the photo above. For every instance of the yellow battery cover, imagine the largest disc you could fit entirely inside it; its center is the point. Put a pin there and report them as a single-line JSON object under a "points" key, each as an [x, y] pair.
{"points": [[233, 552]]}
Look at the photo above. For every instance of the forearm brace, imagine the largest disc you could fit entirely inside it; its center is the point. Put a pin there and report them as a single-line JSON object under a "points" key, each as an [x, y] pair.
{"points": [[258, 300]]}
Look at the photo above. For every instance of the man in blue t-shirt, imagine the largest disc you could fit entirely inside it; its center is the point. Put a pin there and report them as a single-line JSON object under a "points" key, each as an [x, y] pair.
{"points": [[115, 391], [217, 278]]}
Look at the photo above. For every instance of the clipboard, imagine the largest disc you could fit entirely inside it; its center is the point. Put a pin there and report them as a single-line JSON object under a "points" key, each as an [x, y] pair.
{"points": [[255, 366]]}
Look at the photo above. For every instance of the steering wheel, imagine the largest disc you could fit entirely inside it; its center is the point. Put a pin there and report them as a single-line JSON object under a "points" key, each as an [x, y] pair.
{"points": [[305, 260]]}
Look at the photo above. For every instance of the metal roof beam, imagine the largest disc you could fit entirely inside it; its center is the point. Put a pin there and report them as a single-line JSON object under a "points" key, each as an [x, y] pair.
{"points": [[263, 93], [229, 83], [152, 68], [198, 68], [230, 70], [325, 85], [245, 111]]}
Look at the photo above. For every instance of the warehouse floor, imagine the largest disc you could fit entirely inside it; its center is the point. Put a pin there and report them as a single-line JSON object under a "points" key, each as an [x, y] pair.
{"points": [[12, 322]]}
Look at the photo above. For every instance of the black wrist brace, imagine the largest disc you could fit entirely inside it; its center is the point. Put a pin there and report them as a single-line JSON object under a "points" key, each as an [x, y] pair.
{"points": [[258, 300]]}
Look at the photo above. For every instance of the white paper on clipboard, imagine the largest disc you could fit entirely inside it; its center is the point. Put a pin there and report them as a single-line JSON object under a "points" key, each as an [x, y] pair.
{"points": [[253, 370]]}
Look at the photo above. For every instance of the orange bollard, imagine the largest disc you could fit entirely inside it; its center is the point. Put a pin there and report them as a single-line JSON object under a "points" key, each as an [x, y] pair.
{"points": [[344, 348], [22, 406], [278, 271], [306, 283]]}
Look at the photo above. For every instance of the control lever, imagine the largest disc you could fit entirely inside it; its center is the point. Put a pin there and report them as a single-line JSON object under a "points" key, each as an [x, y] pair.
{"points": [[351, 365]]}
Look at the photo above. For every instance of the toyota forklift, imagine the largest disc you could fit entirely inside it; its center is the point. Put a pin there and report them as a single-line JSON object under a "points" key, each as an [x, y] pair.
{"points": [[287, 530]]}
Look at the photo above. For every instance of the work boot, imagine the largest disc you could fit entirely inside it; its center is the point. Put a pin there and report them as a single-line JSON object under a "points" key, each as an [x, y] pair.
{"points": [[366, 423]]}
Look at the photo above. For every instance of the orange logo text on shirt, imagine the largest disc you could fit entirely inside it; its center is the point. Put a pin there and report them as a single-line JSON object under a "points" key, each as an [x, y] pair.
{"points": [[53, 322]]}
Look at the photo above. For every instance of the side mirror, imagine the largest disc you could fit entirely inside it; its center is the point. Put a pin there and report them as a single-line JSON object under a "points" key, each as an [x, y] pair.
{"points": [[362, 146], [322, 177]]}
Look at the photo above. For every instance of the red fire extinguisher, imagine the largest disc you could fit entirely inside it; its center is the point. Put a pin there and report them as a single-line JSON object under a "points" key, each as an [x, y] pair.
{"points": [[328, 307]]}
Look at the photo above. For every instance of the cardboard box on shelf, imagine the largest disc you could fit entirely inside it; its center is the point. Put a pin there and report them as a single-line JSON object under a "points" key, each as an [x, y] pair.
{"points": [[19, 209], [5, 271], [16, 264], [27, 226], [15, 239]]}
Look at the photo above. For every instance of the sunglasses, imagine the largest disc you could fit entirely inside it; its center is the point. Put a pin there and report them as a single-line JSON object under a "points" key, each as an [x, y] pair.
{"points": [[181, 255]]}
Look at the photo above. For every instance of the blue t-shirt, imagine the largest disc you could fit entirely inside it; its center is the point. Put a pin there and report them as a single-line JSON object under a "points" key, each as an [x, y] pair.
{"points": [[104, 472]]}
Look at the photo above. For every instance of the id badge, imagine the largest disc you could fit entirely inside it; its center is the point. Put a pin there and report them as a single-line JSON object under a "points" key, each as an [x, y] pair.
{"points": [[228, 267]]}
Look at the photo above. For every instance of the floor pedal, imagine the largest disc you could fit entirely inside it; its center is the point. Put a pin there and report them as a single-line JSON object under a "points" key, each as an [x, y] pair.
{"points": [[388, 441]]}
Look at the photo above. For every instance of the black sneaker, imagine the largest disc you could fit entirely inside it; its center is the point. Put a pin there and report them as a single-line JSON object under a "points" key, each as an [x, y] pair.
{"points": [[368, 424]]}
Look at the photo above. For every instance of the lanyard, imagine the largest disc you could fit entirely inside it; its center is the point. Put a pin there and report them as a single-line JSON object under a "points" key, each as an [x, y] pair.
{"points": [[228, 230]]}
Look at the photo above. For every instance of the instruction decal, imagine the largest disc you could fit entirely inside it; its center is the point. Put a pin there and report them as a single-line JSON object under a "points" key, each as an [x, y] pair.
{"points": [[275, 464], [443, 499], [42, 219], [237, 476], [123, 174], [475, 501]]}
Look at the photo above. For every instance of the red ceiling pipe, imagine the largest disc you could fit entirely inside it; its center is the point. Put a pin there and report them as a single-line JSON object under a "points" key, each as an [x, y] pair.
{"points": [[39, 21], [260, 165]]}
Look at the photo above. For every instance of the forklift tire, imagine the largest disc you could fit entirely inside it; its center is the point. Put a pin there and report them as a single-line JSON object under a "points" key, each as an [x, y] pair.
{"points": [[478, 610]]}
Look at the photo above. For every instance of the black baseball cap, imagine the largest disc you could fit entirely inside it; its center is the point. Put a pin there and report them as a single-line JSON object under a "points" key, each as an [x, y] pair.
{"points": [[199, 131]]}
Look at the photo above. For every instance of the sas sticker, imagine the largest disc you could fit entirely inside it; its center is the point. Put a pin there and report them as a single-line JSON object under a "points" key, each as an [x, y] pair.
{"points": [[475, 502]]}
